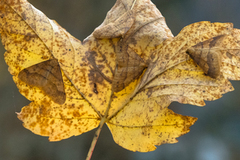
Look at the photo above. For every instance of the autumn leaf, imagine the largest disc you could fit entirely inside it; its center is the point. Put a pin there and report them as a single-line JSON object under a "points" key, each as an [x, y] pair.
{"points": [[125, 74]]}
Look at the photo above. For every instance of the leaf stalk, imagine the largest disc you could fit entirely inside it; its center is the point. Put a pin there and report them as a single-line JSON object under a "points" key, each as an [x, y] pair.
{"points": [[97, 133]]}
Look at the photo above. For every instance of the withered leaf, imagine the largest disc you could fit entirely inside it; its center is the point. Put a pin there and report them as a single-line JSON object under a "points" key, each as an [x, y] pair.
{"points": [[125, 74], [115, 29], [47, 76], [173, 50], [29, 39], [138, 33]]}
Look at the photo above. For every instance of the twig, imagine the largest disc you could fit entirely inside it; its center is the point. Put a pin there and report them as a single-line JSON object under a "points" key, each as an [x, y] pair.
{"points": [[95, 138], [97, 133]]}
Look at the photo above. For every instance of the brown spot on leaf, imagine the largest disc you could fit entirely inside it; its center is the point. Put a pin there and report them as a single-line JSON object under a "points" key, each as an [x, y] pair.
{"points": [[29, 36], [95, 74], [95, 88], [76, 114]]}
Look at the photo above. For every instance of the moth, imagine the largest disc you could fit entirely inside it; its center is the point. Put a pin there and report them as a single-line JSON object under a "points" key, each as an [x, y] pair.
{"points": [[129, 64], [48, 77], [208, 56]]}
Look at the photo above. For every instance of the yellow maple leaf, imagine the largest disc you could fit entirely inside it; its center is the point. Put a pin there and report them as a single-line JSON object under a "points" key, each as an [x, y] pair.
{"points": [[125, 74]]}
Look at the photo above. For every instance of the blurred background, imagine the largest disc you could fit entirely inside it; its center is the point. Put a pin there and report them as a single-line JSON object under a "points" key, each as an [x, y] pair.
{"points": [[215, 136]]}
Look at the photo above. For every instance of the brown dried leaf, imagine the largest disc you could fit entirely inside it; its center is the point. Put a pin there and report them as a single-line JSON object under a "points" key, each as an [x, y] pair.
{"points": [[125, 74], [143, 30], [38, 45], [173, 50]]}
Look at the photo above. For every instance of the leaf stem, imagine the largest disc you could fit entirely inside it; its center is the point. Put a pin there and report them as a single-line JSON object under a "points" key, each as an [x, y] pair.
{"points": [[97, 133], [95, 138]]}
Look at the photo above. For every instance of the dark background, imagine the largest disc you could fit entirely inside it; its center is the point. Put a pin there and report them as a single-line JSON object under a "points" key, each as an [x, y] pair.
{"points": [[215, 136]]}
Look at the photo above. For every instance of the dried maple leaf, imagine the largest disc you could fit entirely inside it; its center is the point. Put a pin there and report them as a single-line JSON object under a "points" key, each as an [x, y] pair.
{"points": [[125, 74]]}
